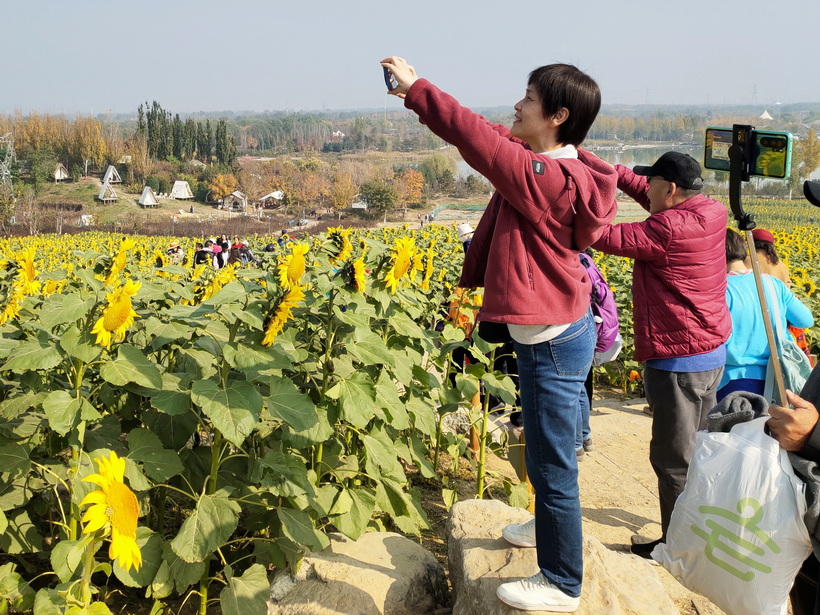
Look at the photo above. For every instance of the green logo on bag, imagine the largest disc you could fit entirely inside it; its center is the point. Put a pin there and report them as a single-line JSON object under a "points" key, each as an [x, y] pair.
{"points": [[724, 545]]}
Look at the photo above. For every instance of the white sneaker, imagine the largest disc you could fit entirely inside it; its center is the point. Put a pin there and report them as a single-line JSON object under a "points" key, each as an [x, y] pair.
{"points": [[536, 594], [520, 534]]}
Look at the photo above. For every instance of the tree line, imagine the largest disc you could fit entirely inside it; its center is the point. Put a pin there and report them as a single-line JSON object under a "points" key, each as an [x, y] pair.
{"points": [[158, 147]]}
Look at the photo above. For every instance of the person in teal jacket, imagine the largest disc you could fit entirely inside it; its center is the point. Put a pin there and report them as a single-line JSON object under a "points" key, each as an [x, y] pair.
{"points": [[747, 350]]}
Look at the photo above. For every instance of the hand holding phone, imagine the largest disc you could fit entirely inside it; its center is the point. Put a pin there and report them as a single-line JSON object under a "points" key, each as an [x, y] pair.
{"points": [[389, 80], [399, 76]]}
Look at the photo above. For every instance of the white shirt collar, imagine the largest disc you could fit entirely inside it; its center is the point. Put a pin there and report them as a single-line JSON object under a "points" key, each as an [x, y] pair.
{"points": [[567, 151]]}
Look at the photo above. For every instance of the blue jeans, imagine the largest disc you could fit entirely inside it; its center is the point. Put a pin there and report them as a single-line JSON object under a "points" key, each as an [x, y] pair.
{"points": [[551, 380], [582, 430]]}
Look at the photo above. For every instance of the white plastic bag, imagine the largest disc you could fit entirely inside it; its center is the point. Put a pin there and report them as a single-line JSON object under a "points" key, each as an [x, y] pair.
{"points": [[737, 534]]}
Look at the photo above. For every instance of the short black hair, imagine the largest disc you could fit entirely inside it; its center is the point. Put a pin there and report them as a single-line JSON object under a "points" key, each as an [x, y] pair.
{"points": [[565, 85], [735, 246]]}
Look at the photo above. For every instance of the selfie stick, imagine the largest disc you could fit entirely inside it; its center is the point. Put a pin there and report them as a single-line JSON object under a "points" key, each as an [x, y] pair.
{"points": [[740, 154]]}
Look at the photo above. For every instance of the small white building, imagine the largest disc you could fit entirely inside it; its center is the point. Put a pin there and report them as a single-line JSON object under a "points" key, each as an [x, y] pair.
{"points": [[235, 201], [107, 193], [112, 176], [61, 173], [181, 190], [148, 198], [273, 199]]}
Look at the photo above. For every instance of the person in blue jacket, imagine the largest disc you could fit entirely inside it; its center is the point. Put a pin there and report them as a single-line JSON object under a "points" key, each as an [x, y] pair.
{"points": [[747, 350]]}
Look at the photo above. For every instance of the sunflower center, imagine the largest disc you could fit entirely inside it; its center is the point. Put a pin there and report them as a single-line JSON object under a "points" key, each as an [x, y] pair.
{"points": [[116, 315], [122, 508]]}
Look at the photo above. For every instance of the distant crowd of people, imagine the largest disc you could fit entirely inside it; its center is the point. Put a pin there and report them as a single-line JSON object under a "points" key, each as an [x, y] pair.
{"points": [[219, 252]]}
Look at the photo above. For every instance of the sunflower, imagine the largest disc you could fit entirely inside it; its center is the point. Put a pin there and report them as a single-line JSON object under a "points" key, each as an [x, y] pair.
{"points": [[113, 508], [12, 308], [117, 316], [119, 260], [341, 236], [359, 272], [292, 267], [53, 286], [404, 262], [223, 276], [283, 314], [428, 269], [808, 287], [27, 273]]}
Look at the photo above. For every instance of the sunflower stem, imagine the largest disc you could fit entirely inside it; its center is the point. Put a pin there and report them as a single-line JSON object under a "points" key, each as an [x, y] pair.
{"points": [[216, 451], [203, 589], [162, 493], [439, 426], [88, 569], [482, 439]]}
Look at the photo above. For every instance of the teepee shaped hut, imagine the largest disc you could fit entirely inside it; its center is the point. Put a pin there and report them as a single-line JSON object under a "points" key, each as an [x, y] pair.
{"points": [[107, 193], [112, 176], [148, 198], [181, 190], [60, 173]]}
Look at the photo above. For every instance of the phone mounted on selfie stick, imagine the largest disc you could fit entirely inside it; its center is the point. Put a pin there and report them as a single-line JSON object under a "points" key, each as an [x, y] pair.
{"points": [[740, 162], [389, 80]]}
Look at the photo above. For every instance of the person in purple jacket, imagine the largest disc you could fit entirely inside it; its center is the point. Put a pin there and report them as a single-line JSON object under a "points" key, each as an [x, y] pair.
{"points": [[681, 319], [552, 199]]}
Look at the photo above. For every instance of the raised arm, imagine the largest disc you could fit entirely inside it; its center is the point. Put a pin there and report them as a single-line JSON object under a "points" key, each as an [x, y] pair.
{"points": [[634, 186]]}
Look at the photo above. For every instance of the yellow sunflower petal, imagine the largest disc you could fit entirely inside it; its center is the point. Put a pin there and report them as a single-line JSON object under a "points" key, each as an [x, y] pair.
{"points": [[97, 479], [95, 497], [125, 550], [94, 518], [117, 467]]}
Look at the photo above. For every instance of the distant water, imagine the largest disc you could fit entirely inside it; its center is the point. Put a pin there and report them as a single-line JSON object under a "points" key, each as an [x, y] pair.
{"points": [[628, 156]]}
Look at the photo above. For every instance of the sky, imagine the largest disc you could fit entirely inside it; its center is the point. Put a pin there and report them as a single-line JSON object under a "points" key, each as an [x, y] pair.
{"points": [[93, 56]]}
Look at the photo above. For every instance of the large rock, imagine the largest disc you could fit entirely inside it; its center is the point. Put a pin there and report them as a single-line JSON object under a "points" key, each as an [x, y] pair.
{"points": [[480, 560], [380, 574]]}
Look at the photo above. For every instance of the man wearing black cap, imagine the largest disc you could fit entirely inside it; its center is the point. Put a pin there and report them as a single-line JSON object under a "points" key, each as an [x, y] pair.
{"points": [[681, 320]]}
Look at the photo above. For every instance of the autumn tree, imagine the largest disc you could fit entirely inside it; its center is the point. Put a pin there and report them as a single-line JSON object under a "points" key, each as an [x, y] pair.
{"points": [[87, 144], [342, 191], [806, 157], [222, 185], [408, 184], [140, 165]]}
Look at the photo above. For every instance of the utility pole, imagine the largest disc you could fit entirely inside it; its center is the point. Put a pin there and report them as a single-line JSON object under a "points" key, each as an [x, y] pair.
{"points": [[7, 157]]}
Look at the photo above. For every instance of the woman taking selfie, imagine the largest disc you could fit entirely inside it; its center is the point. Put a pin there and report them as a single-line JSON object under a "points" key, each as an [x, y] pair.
{"points": [[551, 201]]}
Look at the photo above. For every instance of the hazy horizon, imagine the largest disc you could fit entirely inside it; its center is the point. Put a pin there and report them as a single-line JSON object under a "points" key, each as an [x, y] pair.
{"points": [[91, 58]]}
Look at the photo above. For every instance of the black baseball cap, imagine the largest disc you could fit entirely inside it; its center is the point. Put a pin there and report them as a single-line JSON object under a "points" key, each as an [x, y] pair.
{"points": [[680, 169]]}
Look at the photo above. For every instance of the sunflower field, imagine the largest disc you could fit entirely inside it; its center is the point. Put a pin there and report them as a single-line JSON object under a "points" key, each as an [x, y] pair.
{"points": [[170, 431], [208, 425]]}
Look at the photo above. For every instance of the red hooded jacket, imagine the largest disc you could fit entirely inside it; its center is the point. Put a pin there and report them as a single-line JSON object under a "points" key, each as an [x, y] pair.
{"points": [[679, 277], [525, 248]]}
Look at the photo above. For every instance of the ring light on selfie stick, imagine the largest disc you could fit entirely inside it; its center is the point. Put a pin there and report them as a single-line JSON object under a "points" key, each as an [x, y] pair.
{"points": [[740, 163]]}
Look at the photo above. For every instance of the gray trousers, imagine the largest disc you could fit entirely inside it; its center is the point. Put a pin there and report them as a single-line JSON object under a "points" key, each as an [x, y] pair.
{"points": [[680, 402]]}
